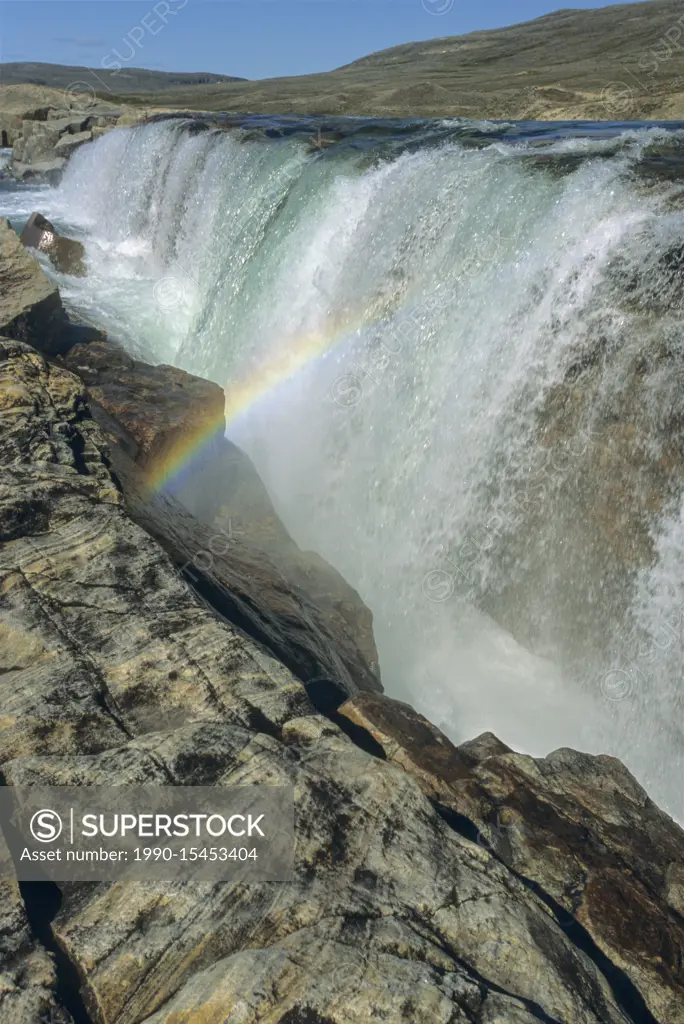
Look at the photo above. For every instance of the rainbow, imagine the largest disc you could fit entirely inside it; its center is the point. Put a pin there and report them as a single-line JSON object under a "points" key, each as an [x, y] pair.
{"points": [[239, 398]]}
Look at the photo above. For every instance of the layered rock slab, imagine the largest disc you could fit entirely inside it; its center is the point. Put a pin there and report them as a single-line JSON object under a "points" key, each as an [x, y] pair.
{"points": [[115, 672], [577, 828], [215, 518]]}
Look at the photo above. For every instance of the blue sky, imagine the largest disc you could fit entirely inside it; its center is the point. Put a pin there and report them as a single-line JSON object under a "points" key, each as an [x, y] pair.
{"points": [[249, 38]]}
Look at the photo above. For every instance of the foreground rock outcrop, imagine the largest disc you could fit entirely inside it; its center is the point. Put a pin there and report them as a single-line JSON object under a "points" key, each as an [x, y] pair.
{"points": [[432, 883], [577, 829], [30, 304], [216, 520]]}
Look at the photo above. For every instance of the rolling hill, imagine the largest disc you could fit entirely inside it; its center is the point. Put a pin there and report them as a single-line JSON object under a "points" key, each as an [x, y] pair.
{"points": [[614, 63], [127, 80]]}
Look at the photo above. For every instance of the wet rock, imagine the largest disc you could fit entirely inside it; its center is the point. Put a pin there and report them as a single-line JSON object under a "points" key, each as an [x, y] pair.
{"points": [[29, 303], [66, 254], [163, 410], [46, 172], [410, 741], [319, 142], [484, 745]]}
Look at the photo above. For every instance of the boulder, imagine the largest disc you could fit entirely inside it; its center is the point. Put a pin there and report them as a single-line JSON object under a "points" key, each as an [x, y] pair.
{"points": [[69, 143], [72, 123], [30, 304], [44, 171], [66, 254], [36, 145], [113, 672], [162, 409], [577, 829], [10, 130], [98, 131]]}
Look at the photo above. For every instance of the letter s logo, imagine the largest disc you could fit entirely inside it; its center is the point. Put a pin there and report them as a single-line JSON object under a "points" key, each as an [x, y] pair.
{"points": [[46, 826]]}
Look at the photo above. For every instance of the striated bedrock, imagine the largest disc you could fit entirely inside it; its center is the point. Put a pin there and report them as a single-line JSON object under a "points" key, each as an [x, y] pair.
{"points": [[406, 905], [577, 829], [28, 978], [216, 520]]}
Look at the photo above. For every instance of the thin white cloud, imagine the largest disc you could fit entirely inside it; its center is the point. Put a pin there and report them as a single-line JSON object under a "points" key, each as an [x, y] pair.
{"points": [[85, 41]]}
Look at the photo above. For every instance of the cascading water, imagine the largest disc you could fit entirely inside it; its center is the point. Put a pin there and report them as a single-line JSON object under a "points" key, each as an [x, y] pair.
{"points": [[452, 351]]}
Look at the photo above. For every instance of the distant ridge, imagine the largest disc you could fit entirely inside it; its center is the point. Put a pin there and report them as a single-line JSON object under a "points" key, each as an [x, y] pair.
{"points": [[621, 63], [127, 80]]}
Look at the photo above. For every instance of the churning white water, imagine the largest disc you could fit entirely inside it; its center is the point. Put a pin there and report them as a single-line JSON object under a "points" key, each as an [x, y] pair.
{"points": [[391, 318]]}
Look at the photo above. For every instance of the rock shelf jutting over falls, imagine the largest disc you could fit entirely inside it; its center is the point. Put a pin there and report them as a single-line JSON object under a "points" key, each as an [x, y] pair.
{"points": [[449, 356]]}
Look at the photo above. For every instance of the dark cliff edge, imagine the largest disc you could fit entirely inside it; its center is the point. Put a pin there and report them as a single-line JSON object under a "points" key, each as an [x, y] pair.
{"points": [[178, 635]]}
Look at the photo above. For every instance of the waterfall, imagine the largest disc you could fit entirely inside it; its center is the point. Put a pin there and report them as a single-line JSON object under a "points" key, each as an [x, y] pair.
{"points": [[454, 353]]}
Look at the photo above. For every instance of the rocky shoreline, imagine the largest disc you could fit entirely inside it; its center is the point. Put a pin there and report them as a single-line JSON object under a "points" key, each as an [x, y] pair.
{"points": [[44, 127], [182, 637]]}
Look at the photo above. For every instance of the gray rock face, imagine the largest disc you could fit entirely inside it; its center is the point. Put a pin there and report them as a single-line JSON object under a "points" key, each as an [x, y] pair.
{"points": [[68, 143], [112, 671], [73, 123], [29, 303], [43, 137], [37, 142], [243, 559], [577, 829], [44, 171]]}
